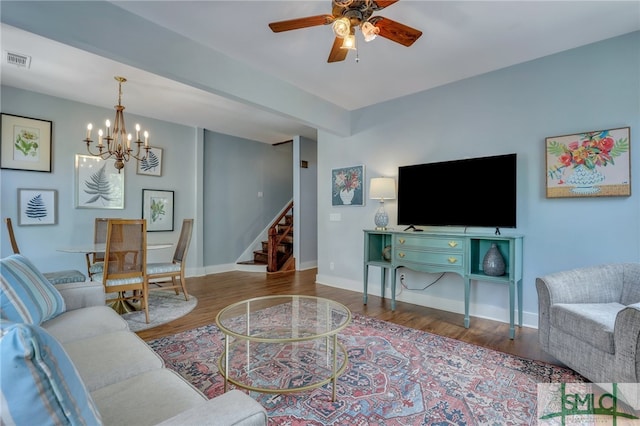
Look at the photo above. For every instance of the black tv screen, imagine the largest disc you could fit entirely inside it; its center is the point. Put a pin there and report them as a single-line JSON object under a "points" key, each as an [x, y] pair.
{"points": [[474, 192]]}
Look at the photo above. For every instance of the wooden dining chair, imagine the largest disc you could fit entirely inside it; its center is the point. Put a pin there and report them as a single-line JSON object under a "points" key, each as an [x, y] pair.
{"points": [[55, 277], [159, 271], [95, 260], [125, 262]]}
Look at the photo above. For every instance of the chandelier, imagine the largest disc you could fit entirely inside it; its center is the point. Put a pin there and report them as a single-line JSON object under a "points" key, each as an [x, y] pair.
{"points": [[116, 142]]}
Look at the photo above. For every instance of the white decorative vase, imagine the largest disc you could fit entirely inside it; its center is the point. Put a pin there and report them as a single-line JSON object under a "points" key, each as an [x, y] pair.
{"points": [[346, 196], [584, 180], [493, 263]]}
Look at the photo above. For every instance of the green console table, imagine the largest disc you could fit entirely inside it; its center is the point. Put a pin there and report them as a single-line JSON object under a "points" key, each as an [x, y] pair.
{"points": [[434, 252]]}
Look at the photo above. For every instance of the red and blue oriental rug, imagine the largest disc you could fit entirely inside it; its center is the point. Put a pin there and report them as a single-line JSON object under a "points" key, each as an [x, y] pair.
{"points": [[395, 376]]}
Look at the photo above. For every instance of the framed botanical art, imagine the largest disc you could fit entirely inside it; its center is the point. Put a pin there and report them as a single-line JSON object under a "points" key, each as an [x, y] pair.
{"points": [[99, 185], [37, 206], [25, 143], [589, 164], [157, 208], [151, 164], [347, 186]]}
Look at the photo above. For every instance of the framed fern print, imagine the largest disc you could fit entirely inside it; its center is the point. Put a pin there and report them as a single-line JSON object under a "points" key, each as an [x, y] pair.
{"points": [[157, 209], [37, 207], [152, 164], [98, 183]]}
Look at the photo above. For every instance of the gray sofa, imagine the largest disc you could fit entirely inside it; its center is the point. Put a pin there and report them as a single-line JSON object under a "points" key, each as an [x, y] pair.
{"points": [[125, 380], [589, 319]]}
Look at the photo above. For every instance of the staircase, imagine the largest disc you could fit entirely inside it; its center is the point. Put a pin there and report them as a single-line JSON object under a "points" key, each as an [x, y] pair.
{"points": [[277, 251]]}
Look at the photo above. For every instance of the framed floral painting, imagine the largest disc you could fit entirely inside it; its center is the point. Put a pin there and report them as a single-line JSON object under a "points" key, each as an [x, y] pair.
{"points": [[590, 164], [157, 209], [37, 206], [99, 185], [25, 143], [347, 186]]}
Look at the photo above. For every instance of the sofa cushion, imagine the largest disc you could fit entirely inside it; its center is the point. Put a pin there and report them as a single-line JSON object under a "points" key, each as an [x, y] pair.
{"points": [[40, 384], [592, 323], [111, 357], [65, 277], [148, 399], [83, 323], [25, 294]]}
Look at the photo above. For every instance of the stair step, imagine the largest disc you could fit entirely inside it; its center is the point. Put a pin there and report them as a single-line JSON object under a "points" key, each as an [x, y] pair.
{"points": [[251, 262], [282, 247]]}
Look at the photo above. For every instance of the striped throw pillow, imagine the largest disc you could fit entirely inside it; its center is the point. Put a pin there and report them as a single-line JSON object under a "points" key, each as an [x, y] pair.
{"points": [[25, 294], [39, 383]]}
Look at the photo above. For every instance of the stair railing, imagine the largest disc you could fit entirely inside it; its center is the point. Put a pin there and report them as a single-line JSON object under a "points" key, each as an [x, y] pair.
{"points": [[276, 237]]}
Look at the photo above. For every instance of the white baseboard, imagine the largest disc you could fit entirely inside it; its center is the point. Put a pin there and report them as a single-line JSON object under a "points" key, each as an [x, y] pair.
{"points": [[529, 319]]}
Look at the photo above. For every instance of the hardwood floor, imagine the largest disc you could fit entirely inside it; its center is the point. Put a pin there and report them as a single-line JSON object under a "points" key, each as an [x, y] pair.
{"points": [[216, 291]]}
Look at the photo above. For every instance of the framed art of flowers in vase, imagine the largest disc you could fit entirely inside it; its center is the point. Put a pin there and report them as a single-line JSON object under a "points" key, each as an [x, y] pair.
{"points": [[590, 164], [347, 186]]}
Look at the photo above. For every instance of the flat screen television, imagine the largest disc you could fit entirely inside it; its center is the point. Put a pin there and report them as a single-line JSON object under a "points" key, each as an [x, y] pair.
{"points": [[473, 192]]}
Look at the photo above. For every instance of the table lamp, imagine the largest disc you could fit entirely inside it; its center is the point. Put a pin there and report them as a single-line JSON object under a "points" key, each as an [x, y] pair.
{"points": [[382, 189]]}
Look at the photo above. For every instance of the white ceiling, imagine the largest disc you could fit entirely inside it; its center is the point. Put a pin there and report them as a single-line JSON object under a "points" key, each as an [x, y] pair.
{"points": [[460, 39]]}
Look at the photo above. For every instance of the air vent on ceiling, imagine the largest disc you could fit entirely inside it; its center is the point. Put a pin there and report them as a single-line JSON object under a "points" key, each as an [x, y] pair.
{"points": [[18, 59]]}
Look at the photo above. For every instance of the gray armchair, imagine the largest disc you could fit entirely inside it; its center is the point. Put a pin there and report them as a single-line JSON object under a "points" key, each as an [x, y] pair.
{"points": [[589, 319]]}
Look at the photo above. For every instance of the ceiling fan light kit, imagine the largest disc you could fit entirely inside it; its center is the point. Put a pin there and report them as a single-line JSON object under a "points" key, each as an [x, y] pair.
{"points": [[346, 16]]}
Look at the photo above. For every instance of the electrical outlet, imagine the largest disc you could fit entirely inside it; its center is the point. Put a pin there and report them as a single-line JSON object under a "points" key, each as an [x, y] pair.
{"points": [[331, 266]]}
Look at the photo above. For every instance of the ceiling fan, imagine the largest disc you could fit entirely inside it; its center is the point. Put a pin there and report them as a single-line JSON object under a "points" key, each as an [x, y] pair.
{"points": [[346, 16]]}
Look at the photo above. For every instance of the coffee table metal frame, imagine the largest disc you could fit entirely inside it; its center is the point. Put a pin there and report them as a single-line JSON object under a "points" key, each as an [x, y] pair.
{"points": [[330, 334]]}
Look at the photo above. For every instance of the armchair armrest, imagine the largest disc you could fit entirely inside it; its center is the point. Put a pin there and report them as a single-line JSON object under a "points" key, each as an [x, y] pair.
{"points": [[231, 408], [82, 294], [627, 341]]}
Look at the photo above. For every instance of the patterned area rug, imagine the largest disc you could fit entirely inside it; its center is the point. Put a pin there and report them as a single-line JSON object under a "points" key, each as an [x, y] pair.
{"points": [[396, 376], [164, 306]]}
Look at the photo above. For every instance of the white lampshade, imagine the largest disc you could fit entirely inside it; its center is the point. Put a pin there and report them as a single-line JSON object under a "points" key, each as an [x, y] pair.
{"points": [[382, 189], [341, 27], [349, 42], [369, 31]]}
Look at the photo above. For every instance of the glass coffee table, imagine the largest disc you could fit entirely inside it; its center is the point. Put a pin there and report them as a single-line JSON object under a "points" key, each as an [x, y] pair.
{"points": [[280, 344]]}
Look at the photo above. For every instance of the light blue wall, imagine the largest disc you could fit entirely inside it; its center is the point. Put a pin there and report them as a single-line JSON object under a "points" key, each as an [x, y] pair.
{"points": [[235, 171], [511, 110], [306, 204], [75, 226]]}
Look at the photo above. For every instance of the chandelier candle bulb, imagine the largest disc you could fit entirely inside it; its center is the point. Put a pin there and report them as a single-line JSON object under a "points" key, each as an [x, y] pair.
{"points": [[108, 125], [100, 138], [137, 132], [146, 139], [89, 127], [129, 141]]}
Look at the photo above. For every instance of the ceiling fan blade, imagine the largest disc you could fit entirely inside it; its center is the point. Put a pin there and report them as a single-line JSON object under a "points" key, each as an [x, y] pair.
{"points": [[384, 3], [294, 24], [396, 31], [337, 52]]}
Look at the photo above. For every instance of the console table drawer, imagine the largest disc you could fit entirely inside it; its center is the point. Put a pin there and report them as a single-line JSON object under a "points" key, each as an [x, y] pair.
{"points": [[449, 259], [450, 244]]}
